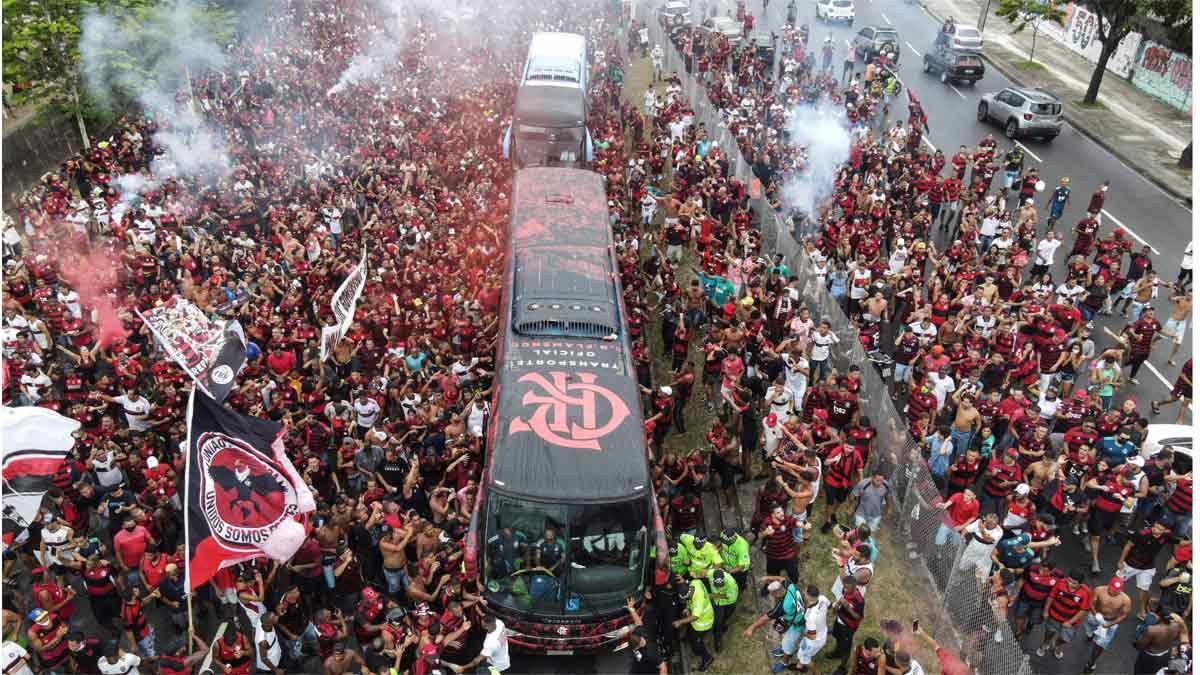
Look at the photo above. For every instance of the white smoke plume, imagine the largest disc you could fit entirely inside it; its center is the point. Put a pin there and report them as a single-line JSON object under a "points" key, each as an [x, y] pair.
{"points": [[150, 61], [824, 132]]}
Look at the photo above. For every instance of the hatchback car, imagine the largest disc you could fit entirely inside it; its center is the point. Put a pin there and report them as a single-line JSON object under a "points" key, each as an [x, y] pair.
{"points": [[1023, 112], [871, 41], [964, 37], [836, 10], [954, 64], [1177, 437]]}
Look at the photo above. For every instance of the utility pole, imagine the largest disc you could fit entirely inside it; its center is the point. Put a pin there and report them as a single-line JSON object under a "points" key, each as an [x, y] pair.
{"points": [[987, 7]]}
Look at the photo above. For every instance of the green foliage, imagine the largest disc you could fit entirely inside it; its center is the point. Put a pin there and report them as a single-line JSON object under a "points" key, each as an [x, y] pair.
{"points": [[1176, 16], [1020, 13]]}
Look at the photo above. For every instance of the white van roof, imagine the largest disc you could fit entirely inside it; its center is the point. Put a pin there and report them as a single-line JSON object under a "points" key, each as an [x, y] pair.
{"points": [[557, 58]]}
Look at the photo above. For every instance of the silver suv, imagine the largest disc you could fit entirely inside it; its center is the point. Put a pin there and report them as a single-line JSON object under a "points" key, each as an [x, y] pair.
{"points": [[1023, 112]]}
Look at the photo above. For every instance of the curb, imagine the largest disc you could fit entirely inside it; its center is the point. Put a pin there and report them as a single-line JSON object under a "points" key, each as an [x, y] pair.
{"points": [[1135, 166]]}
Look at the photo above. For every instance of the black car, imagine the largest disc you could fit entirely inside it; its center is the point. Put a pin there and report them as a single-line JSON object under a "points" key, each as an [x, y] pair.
{"points": [[954, 64], [872, 41]]}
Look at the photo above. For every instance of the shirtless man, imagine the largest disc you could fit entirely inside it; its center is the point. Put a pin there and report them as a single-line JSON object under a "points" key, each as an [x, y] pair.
{"points": [[801, 498], [877, 306], [395, 560], [1110, 608], [328, 533], [1041, 472], [1176, 326], [1155, 644], [967, 422], [696, 306], [671, 207], [343, 660]]}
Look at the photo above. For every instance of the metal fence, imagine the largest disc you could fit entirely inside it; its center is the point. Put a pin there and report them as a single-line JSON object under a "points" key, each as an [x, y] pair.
{"points": [[960, 613]]}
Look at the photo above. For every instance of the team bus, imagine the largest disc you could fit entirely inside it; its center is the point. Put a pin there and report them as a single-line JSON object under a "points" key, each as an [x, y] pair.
{"points": [[549, 126], [566, 527]]}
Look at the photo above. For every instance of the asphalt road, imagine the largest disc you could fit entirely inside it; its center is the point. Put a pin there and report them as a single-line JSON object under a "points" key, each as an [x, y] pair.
{"points": [[1140, 207], [1147, 213]]}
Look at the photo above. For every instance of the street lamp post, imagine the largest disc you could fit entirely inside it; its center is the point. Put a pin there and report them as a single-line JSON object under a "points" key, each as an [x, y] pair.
{"points": [[983, 15]]}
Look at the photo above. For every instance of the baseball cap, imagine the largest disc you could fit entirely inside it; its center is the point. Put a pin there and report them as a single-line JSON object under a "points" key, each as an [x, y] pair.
{"points": [[728, 535], [38, 615], [1023, 489], [1116, 584]]}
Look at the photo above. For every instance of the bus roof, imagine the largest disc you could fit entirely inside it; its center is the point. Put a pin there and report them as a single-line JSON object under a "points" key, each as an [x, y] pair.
{"points": [[556, 58], [553, 107], [569, 418]]}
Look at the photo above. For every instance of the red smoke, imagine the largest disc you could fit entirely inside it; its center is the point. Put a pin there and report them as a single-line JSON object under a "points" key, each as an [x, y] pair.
{"points": [[92, 277]]}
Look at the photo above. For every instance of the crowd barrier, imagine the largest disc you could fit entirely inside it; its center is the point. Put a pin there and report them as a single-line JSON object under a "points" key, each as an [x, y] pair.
{"points": [[960, 614]]}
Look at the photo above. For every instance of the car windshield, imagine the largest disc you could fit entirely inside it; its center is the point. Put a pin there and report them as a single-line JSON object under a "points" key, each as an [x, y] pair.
{"points": [[564, 559], [886, 36], [1045, 108], [842, 3]]}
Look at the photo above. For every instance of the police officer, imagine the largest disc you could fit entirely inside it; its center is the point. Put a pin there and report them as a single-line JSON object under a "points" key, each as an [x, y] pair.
{"points": [[698, 617], [735, 556], [723, 592], [702, 555]]}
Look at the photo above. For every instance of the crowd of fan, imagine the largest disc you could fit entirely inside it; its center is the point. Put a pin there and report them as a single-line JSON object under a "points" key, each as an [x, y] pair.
{"points": [[1017, 415], [389, 431]]}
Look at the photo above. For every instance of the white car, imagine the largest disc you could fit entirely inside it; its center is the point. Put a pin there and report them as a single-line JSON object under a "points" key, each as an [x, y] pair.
{"points": [[732, 30], [836, 10], [1177, 437]]}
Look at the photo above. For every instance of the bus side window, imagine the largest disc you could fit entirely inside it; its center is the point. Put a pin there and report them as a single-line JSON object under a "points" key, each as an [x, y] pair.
{"points": [[587, 151]]}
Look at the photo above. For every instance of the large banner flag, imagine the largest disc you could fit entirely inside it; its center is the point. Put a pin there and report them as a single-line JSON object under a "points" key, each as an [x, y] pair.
{"points": [[345, 301], [35, 442], [244, 497], [211, 352]]}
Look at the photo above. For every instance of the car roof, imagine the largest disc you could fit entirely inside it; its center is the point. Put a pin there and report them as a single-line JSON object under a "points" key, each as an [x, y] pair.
{"points": [[1039, 95], [676, 4]]}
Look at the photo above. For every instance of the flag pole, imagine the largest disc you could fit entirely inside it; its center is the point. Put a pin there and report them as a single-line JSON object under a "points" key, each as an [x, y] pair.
{"points": [[187, 481]]}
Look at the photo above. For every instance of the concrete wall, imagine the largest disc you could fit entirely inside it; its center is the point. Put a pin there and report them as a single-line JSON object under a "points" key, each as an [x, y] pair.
{"points": [[37, 146], [1078, 33], [1164, 74]]}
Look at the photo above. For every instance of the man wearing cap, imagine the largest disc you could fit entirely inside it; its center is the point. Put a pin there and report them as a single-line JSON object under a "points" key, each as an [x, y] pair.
{"points": [[699, 615], [702, 555], [1110, 608], [1137, 559], [723, 591], [47, 636], [735, 556]]}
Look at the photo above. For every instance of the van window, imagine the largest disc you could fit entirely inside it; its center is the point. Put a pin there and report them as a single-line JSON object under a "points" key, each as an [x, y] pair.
{"points": [[1046, 108]]}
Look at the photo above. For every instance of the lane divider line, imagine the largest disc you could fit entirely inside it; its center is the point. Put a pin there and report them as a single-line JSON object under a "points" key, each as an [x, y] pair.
{"points": [[914, 49], [1133, 234], [885, 18], [1027, 150]]}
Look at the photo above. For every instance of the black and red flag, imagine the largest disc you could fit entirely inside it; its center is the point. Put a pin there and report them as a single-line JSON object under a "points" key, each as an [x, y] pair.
{"points": [[244, 496], [35, 442]]}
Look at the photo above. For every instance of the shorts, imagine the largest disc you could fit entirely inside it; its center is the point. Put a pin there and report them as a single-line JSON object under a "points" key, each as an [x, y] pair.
{"points": [[1093, 627], [836, 495], [1061, 631], [900, 372], [1030, 610], [808, 649], [792, 637], [1144, 578], [1176, 328], [1100, 522], [872, 522], [798, 531]]}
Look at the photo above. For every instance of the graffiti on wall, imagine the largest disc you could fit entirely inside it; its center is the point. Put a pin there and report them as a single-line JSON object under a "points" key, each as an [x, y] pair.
{"points": [[1164, 74], [1079, 33]]}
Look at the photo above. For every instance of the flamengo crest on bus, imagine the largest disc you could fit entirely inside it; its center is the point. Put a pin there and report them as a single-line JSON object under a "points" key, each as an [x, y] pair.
{"points": [[550, 420]]}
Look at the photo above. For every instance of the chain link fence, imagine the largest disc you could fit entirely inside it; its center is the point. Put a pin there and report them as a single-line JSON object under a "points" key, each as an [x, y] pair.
{"points": [[960, 613]]}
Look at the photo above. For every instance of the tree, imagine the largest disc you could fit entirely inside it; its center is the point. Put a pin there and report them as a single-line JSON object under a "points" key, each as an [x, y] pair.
{"points": [[41, 52], [1119, 17], [1176, 18], [1021, 13]]}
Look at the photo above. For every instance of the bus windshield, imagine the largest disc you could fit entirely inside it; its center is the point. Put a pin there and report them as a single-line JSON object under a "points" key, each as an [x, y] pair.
{"points": [[564, 559], [541, 146]]}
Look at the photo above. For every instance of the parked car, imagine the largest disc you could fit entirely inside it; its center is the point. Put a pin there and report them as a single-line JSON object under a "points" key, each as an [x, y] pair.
{"points": [[872, 41], [961, 36], [1177, 437], [836, 10], [725, 26], [954, 64], [674, 13], [1023, 112]]}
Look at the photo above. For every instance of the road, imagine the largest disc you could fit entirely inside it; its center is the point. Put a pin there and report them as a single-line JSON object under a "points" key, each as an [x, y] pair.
{"points": [[1146, 213]]}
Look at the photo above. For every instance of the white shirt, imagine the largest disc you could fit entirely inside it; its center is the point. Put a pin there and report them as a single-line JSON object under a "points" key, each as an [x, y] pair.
{"points": [[126, 665], [815, 620], [821, 345], [476, 417], [135, 412], [989, 226], [70, 300], [924, 334], [1047, 409], [1186, 264], [10, 653], [793, 381], [977, 550], [274, 651], [941, 386], [495, 647], [367, 410], [1046, 249]]}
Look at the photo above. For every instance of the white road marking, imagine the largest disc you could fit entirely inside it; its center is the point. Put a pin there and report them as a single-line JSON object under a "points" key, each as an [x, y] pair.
{"points": [[914, 49], [929, 142], [885, 18], [1027, 150], [1129, 230], [960, 94], [1154, 371]]}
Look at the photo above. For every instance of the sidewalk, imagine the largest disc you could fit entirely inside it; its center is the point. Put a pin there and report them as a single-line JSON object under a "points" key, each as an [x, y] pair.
{"points": [[1142, 132]]}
